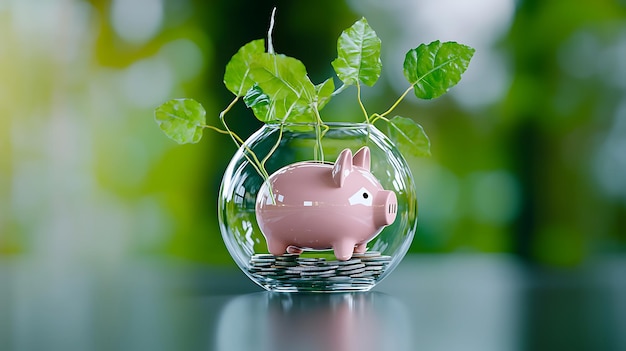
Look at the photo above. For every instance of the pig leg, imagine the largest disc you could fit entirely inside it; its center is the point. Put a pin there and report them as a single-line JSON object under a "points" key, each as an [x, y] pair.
{"points": [[343, 249], [360, 248], [276, 247], [294, 250]]}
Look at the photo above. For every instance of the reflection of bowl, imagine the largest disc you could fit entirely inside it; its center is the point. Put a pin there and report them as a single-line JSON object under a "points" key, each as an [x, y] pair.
{"points": [[277, 147], [342, 322]]}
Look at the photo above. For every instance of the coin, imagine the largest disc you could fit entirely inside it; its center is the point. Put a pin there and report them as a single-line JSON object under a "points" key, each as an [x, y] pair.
{"points": [[366, 254], [346, 263], [310, 259], [363, 274], [287, 257], [263, 256], [352, 271], [311, 273], [286, 263], [313, 268], [318, 274], [377, 259], [351, 267]]}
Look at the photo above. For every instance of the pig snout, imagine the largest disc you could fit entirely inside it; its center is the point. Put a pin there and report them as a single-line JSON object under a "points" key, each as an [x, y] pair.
{"points": [[386, 207]]}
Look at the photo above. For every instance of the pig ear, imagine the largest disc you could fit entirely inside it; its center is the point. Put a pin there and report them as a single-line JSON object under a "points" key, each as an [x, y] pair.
{"points": [[362, 158], [342, 167]]}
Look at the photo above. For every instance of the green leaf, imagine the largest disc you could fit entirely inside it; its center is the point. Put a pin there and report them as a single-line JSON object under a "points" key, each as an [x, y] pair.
{"points": [[182, 120], [324, 92], [358, 54], [259, 102], [285, 81], [434, 68], [237, 74], [409, 137]]}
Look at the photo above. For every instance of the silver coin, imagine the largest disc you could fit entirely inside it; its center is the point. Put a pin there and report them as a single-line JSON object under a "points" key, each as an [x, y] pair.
{"points": [[261, 264], [377, 259], [352, 271], [312, 265], [262, 259], [366, 254], [310, 259], [285, 276], [364, 274], [263, 256], [287, 257], [320, 278], [266, 273], [346, 263], [322, 273], [285, 263], [312, 268], [316, 273], [266, 269], [351, 267]]}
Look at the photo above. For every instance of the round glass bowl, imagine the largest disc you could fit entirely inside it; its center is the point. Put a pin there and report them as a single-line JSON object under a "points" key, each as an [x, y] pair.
{"points": [[319, 271]]}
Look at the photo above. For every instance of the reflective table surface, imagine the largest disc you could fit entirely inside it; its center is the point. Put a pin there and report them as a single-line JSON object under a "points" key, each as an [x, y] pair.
{"points": [[447, 302]]}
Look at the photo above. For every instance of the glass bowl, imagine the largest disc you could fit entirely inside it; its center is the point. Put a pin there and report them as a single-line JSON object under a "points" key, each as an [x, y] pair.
{"points": [[280, 145]]}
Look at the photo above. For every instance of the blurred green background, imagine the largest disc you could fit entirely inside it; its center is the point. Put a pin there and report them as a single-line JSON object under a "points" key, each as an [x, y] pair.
{"points": [[529, 150]]}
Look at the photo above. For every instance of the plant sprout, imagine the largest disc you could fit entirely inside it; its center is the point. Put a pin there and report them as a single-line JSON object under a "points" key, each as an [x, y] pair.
{"points": [[279, 91]]}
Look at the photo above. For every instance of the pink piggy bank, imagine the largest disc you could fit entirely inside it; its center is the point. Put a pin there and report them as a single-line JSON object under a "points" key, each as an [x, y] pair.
{"points": [[320, 206]]}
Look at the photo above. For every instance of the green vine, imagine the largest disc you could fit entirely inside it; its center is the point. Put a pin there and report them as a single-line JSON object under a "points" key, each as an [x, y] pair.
{"points": [[278, 90]]}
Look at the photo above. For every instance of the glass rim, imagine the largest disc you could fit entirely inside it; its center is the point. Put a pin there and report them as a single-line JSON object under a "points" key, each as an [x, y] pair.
{"points": [[330, 124]]}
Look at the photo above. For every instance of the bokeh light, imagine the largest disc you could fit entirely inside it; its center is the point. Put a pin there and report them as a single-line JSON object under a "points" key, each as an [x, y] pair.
{"points": [[530, 138]]}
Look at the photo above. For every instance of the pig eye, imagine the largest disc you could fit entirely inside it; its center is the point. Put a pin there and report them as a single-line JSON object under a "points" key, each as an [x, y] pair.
{"points": [[365, 195]]}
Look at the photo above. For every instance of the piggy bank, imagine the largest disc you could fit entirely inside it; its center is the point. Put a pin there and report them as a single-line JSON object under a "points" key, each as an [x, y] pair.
{"points": [[320, 206]]}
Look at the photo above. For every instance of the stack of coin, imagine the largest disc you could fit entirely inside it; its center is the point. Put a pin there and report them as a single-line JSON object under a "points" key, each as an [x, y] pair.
{"points": [[361, 269]]}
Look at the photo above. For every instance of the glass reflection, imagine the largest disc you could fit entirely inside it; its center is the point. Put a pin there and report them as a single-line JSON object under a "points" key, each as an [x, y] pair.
{"points": [[342, 322]]}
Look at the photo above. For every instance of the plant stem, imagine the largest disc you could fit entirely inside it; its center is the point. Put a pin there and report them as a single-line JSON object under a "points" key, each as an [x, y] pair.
{"points": [[397, 102], [319, 149], [234, 136], [376, 117], [222, 131], [269, 154], [358, 96], [258, 166], [270, 45]]}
